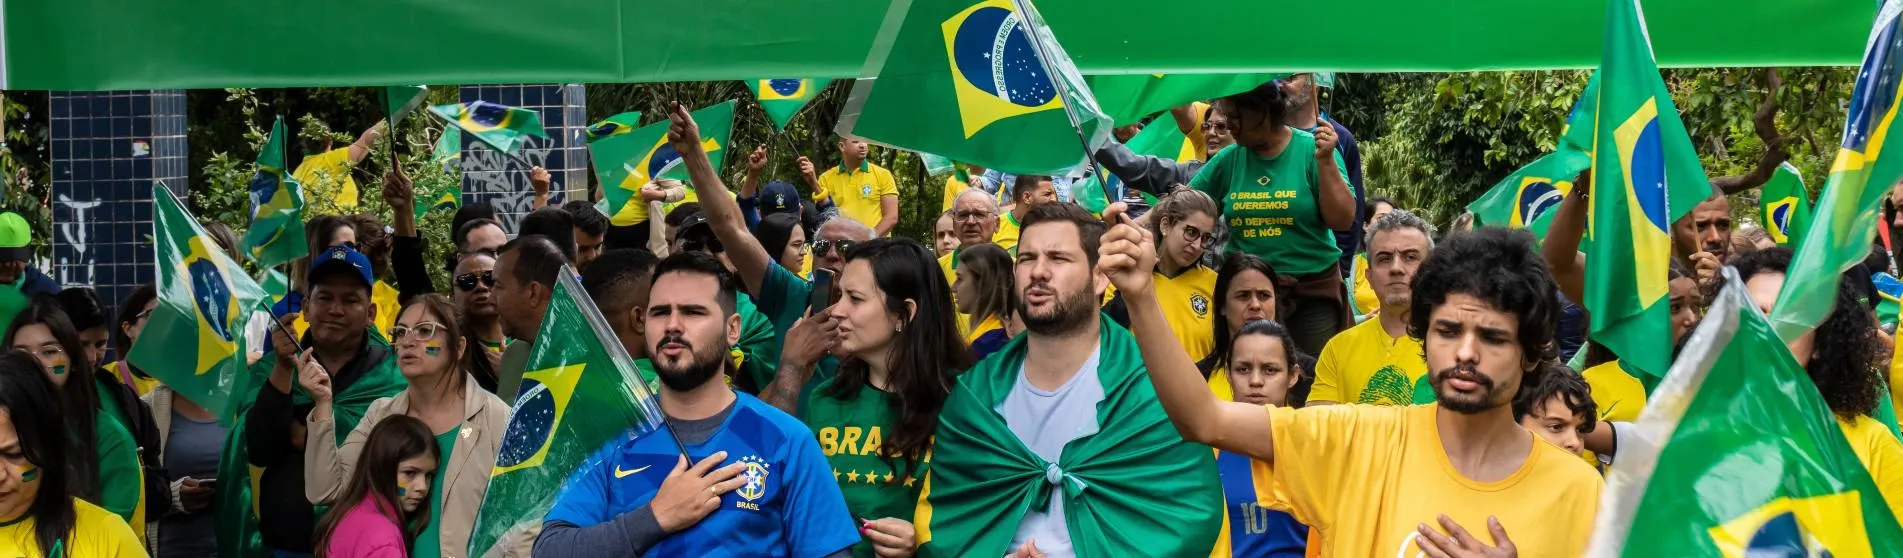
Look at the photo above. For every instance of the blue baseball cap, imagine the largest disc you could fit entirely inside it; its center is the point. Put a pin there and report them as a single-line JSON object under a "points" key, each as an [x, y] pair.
{"points": [[335, 258], [779, 196]]}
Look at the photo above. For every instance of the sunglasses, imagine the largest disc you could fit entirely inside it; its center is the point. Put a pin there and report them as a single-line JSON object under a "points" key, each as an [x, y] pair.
{"points": [[823, 247], [422, 331], [467, 281]]}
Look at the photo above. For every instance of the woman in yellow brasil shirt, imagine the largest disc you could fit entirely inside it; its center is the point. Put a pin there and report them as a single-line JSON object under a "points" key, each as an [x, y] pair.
{"points": [[1183, 224], [39, 516], [1246, 292]]}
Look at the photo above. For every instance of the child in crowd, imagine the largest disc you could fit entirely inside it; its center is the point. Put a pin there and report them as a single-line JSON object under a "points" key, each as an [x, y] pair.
{"points": [[1559, 408], [383, 506]]}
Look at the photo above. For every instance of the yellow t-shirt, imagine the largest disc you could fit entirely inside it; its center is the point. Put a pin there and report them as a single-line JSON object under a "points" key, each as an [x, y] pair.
{"points": [[329, 172], [1364, 478], [1365, 299], [859, 192], [96, 533], [1896, 380], [1188, 302], [948, 264], [953, 187], [1219, 384], [1364, 365], [636, 210], [1194, 140], [1881, 454], [1007, 235], [1618, 395]]}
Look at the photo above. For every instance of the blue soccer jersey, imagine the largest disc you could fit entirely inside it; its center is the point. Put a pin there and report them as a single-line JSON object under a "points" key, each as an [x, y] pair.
{"points": [[1255, 530], [790, 505]]}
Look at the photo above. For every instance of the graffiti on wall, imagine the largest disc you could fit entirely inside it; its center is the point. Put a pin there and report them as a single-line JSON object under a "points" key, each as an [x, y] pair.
{"points": [[73, 256]]}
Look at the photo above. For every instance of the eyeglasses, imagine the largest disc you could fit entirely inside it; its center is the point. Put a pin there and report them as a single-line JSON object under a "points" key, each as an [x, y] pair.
{"points": [[1197, 237], [699, 243], [422, 331], [467, 281], [970, 215], [823, 247]]}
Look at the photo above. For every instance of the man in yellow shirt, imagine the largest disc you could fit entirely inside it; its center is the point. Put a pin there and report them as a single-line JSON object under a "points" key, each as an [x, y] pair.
{"points": [[1027, 193], [1378, 362], [1459, 477], [1363, 292], [863, 191], [326, 171], [975, 220]]}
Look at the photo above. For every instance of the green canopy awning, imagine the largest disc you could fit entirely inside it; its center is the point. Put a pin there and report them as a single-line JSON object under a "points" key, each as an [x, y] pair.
{"points": [[119, 44]]}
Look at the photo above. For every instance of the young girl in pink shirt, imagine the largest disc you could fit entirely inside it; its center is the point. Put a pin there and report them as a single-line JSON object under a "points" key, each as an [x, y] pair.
{"points": [[385, 503]]}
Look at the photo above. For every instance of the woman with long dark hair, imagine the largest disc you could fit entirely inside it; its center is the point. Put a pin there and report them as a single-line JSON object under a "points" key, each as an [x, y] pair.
{"points": [[465, 421], [133, 312], [474, 279], [1245, 292], [1285, 191], [40, 515], [780, 234], [876, 417], [107, 469], [383, 509], [986, 290]]}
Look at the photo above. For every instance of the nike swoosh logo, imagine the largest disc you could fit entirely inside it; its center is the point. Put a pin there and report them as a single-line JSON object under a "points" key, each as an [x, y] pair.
{"points": [[623, 474]]}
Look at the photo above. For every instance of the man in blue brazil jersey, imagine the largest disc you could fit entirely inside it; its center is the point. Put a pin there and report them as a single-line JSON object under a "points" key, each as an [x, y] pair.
{"points": [[761, 486]]}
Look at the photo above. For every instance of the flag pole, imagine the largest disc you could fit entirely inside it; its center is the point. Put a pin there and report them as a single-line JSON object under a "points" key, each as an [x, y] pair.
{"points": [[1103, 182]]}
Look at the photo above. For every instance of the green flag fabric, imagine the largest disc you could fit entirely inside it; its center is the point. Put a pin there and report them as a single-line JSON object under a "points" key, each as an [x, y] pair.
{"points": [[1158, 139], [501, 127], [1526, 198], [1127, 99], [1135, 484], [783, 98], [205, 301], [276, 233], [978, 81], [626, 162], [614, 126], [237, 495], [1577, 135], [400, 101], [1784, 205], [1851, 204], [581, 391], [446, 193], [1737, 454], [1642, 158]]}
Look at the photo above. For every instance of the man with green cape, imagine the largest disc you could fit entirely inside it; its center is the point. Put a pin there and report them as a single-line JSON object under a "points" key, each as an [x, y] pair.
{"points": [[1057, 445], [362, 369]]}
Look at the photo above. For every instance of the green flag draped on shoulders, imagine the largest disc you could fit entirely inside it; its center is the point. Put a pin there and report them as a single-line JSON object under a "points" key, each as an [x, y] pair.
{"points": [[1134, 486]]}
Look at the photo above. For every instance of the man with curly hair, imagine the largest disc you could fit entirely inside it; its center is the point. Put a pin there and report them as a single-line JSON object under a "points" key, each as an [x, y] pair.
{"points": [[1450, 478]]}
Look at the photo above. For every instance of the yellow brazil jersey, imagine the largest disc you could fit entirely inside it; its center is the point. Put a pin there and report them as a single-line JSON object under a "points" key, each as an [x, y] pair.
{"points": [[1194, 140], [1188, 302], [96, 533], [1363, 478], [948, 263], [1364, 365], [1617, 394], [1896, 381], [1881, 454], [1219, 384], [858, 192], [1365, 300], [329, 172], [1007, 235], [953, 187]]}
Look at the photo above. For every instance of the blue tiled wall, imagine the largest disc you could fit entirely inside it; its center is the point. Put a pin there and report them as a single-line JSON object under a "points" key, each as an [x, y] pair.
{"points": [[489, 176], [108, 149]]}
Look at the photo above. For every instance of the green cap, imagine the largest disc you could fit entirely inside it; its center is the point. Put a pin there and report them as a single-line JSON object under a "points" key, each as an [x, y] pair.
{"points": [[15, 236]]}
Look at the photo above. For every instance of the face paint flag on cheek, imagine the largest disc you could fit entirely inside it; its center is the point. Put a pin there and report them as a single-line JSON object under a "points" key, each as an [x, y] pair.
{"points": [[30, 474]]}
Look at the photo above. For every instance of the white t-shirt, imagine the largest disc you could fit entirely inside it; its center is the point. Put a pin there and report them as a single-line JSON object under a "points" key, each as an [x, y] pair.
{"points": [[1045, 421]]}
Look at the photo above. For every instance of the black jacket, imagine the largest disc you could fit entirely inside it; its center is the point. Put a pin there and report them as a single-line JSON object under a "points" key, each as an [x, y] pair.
{"points": [[285, 517]]}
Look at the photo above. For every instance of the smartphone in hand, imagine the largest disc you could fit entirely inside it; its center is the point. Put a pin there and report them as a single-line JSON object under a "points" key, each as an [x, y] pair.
{"points": [[822, 291]]}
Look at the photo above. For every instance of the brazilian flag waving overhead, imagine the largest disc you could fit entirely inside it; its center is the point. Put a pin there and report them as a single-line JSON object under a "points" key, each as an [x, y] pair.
{"points": [[979, 81], [1128, 98], [626, 162], [501, 127], [195, 342], [1737, 454], [1526, 198], [581, 391], [1851, 204], [1784, 206], [613, 126], [276, 234], [1642, 157], [783, 98]]}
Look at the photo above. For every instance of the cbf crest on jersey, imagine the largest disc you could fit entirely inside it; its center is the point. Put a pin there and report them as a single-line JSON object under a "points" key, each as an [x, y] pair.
{"points": [[756, 476]]}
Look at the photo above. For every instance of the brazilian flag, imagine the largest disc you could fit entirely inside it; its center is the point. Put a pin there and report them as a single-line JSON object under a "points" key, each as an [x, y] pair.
{"points": [[581, 392], [1526, 198], [501, 127], [400, 101], [1129, 98], [1642, 157], [1740, 456], [613, 126], [626, 162], [978, 81], [1159, 139], [783, 98], [276, 234], [448, 192], [1784, 206], [1851, 205], [205, 300]]}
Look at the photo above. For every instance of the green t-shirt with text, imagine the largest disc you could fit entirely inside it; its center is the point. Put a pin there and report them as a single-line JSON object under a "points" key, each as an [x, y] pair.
{"points": [[851, 433], [1271, 205]]}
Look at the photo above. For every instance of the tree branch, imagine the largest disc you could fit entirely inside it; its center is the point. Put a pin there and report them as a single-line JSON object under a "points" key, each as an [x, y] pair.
{"points": [[1765, 122]]}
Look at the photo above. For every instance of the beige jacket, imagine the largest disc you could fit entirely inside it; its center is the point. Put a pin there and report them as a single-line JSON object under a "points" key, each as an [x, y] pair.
{"points": [[328, 466]]}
